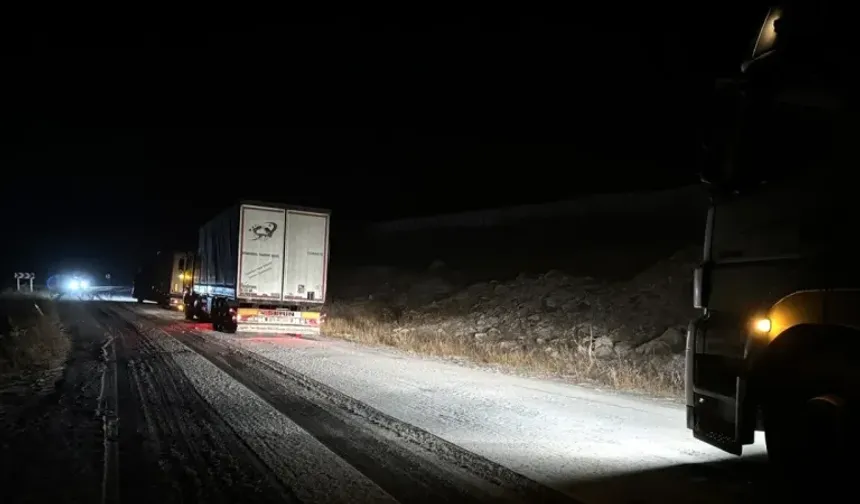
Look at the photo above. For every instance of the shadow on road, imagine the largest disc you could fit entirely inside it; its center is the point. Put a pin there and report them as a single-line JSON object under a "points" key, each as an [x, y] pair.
{"points": [[736, 480]]}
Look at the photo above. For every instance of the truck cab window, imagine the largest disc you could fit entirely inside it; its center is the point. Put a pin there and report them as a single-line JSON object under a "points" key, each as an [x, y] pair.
{"points": [[784, 137]]}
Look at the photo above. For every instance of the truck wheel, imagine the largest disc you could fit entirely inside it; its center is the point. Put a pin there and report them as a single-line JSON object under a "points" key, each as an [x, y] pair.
{"points": [[216, 327], [807, 428], [189, 315]]}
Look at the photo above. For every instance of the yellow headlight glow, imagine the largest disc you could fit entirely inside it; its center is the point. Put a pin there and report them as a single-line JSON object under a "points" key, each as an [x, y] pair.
{"points": [[762, 325]]}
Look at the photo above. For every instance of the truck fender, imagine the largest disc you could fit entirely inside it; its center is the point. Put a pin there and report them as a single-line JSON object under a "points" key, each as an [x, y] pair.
{"points": [[793, 355], [836, 307]]}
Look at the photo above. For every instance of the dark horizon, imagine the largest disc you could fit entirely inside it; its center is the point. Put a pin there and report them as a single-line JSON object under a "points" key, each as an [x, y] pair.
{"points": [[127, 135]]}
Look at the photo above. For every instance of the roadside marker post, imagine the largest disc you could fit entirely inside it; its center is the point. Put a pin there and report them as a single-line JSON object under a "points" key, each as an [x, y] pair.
{"points": [[24, 276]]}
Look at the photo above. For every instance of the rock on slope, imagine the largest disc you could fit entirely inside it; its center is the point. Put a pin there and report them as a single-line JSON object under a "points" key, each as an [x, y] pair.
{"points": [[646, 315]]}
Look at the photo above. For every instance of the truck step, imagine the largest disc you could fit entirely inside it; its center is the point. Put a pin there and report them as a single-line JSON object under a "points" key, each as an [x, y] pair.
{"points": [[714, 395]]}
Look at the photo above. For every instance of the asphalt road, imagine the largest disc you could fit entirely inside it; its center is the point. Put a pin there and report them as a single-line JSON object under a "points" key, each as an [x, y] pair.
{"points": [[156, 409]]}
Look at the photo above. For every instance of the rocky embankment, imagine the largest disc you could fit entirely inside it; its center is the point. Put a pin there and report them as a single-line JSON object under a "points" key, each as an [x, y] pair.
{"points": [[643, 316]]}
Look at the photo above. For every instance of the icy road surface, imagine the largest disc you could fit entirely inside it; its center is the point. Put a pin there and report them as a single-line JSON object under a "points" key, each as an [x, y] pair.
{"points": [[590, 445]]}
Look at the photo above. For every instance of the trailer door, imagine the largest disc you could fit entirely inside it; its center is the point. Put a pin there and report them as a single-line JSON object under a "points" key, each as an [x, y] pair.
{"points": [[261, 252], [306, 256]]}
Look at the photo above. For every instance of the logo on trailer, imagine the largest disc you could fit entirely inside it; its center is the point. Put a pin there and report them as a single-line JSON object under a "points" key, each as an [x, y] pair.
{"points": [[263, 231]]}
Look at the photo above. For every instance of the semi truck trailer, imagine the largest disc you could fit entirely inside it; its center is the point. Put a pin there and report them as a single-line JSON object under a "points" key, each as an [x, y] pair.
{"points": [[263, 268], [165, 279], [777, 346]]}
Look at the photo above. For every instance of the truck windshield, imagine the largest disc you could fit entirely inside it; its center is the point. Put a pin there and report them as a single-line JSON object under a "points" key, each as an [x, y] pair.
{"points": [[795, 120], [786, 136]]}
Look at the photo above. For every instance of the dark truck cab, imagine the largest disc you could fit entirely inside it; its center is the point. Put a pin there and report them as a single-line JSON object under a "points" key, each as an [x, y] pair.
{"points": [[164, 279], [776, 345]]}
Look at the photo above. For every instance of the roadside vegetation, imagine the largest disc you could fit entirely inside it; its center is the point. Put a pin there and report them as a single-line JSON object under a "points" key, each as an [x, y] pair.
{"points": [[375, 324], [31, 338]]}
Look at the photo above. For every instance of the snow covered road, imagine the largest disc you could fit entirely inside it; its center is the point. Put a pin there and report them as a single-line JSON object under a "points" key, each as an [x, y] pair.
{"points": [[589, 445]]}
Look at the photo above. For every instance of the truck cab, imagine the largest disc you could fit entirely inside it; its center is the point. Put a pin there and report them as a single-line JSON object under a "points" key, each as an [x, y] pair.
{"points": [[164, 279], [775, 348]]}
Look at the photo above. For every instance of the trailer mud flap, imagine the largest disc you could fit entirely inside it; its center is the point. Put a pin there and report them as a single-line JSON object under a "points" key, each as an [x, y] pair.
{"points": [[715, 389]]}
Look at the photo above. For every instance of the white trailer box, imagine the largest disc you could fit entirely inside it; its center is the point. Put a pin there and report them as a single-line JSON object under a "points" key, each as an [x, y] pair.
{"points": [[271, 260]]}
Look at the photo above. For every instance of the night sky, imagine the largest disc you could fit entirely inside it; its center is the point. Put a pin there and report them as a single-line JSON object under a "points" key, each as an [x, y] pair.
{"points": [[124, 142]]}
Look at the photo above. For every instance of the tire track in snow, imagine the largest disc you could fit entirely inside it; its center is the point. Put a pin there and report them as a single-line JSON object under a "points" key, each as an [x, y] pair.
{"points": [[174, 446], [410, 463], [301, 463], [108, 410]]}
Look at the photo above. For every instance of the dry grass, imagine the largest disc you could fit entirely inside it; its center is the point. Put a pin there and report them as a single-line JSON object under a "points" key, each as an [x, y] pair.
{"points": [[376, 325], [31, 339]]}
